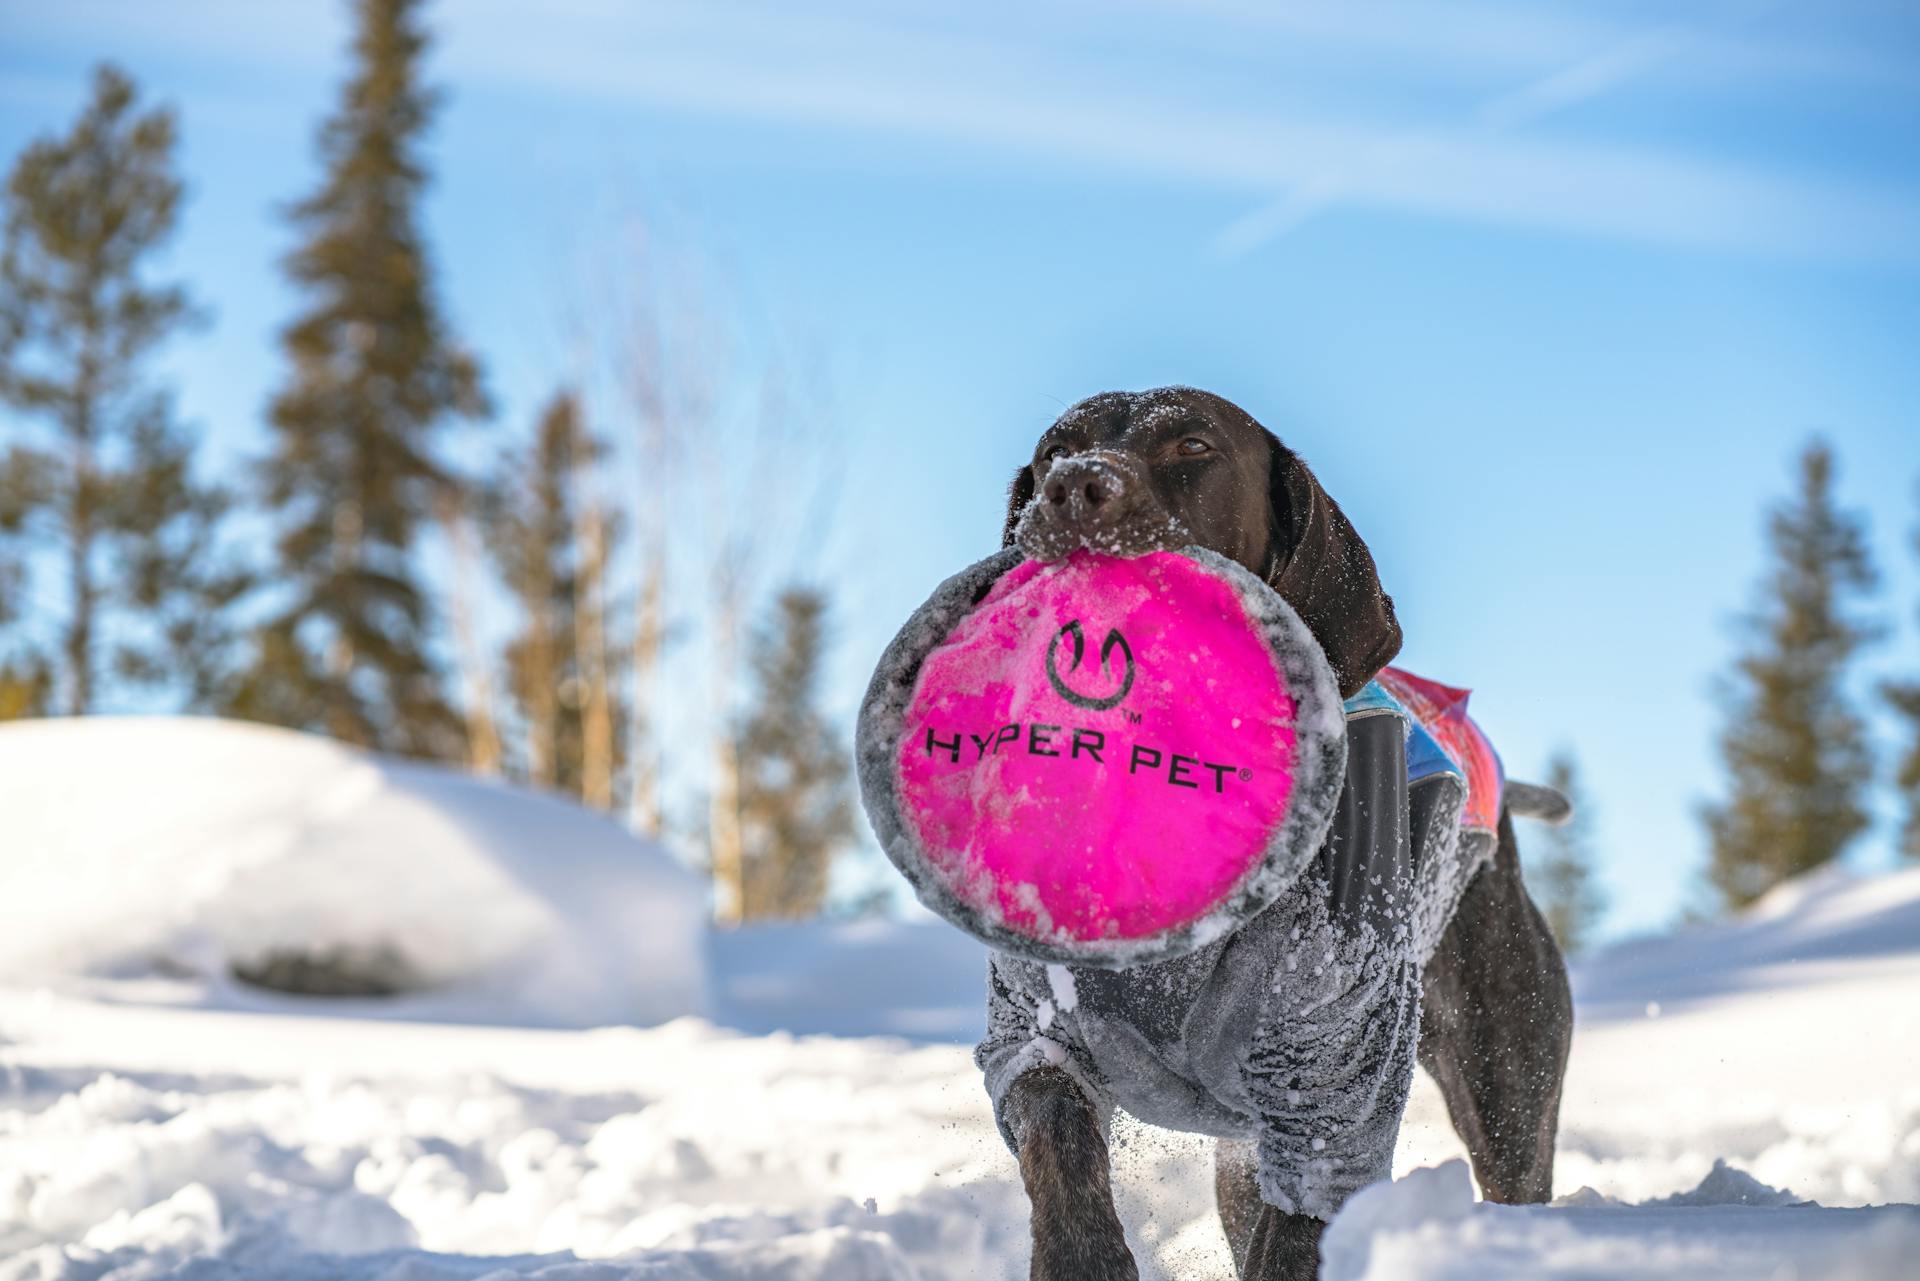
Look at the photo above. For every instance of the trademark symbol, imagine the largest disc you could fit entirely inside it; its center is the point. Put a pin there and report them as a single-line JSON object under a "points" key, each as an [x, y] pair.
{"points": [[1245, 774], [1133, 718]]}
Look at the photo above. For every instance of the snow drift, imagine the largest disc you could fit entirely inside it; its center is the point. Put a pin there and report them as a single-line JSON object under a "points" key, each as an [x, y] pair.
{"points": [[205, 848]]}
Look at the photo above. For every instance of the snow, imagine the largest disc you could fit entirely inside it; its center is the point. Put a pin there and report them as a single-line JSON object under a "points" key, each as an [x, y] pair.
{"points": [[1427, 1227], [1060, 982], [161, 1122], [153, 846], [921, 980], [267, 1139]]}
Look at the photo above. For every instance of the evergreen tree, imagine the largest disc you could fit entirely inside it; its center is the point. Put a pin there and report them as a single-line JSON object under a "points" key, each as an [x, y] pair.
{"points": [[1561, 864], [796, 804], [548, 549], [1906, 700], [353, 476], [176, 579], [23, 493], [1795, 748], [109, 485]]}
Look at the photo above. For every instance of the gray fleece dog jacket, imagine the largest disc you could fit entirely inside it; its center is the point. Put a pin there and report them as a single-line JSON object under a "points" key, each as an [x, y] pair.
{"points": [[1297, 1032]]}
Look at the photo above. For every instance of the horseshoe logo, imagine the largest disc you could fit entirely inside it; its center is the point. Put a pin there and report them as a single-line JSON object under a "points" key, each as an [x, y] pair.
{"points": [[1114, 641]]}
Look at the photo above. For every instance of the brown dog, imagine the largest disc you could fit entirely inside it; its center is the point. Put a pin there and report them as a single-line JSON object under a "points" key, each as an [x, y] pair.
{"points": [[1130, 472]]}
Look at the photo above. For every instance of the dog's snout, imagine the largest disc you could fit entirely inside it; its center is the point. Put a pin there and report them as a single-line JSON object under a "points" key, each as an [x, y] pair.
{"points": [[1080, 485], [1092, 486], [1097, 499]]}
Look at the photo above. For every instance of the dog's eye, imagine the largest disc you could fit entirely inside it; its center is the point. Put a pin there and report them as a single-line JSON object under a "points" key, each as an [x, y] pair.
{"points": [[1057, 451], [1193, 446]]}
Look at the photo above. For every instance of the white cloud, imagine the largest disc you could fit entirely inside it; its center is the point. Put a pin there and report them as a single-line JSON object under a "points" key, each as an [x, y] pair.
{"points": [[1013, 98], [1635, 194], [1085, 88]]}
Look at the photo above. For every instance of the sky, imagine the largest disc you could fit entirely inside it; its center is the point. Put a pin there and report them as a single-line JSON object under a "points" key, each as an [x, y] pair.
{"points": [[1548, 295]]}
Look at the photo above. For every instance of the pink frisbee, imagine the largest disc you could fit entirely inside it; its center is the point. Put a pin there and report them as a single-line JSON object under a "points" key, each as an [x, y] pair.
{"points": [[1102, 761]]}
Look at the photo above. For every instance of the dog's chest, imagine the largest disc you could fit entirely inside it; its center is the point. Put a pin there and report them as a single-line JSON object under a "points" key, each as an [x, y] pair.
{"points": [[1172, 1039], [1156, 1000]]}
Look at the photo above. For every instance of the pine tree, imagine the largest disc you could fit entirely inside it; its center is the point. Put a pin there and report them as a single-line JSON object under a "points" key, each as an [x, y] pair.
{"points": [[110, 486], [353, 476], [796, 805], [1906, 700], [550, 545], [1795, 749], [24, 491], [175, 577], [1560, 871]]}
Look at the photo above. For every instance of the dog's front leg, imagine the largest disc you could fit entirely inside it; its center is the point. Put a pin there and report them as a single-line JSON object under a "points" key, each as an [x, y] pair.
{"points": [[1285, 1247], [1063, 1161]]}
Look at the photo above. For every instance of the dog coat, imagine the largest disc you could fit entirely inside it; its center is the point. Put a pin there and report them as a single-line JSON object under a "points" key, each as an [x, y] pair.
{"points": [[1285, 1011]]}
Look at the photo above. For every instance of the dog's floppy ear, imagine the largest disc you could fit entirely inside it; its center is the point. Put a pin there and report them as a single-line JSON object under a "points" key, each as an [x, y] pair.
{"points": [[1019, 494], [1321, 567]]}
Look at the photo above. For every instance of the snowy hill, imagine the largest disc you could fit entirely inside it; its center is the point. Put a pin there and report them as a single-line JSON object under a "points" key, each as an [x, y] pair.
{"points": [[163, 1122], [192, 849]]}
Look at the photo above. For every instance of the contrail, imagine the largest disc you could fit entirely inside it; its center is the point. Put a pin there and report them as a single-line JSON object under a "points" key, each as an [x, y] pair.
{"points": [[1576, 83]]}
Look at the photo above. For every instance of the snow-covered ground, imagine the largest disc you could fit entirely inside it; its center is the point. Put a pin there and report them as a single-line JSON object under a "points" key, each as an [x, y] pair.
{"points": [[820, 1120], [171, 845]]}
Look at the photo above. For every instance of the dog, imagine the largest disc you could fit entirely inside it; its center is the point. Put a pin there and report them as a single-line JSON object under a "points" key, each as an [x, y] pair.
{"points": [[1310, 1104]]}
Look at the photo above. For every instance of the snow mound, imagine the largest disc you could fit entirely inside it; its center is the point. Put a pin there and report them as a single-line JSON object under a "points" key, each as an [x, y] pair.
{"points": [[1440, 1196], [198, 849], [1725, 1185], [1801, 932], [1732, 1228], [1427, 1227]]}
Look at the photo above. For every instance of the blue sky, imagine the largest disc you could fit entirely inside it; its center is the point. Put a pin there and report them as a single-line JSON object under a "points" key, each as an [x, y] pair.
{"points": [[1547, 293]]}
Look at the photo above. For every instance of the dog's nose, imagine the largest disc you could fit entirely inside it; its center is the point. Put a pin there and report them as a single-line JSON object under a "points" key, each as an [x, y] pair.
{"points": [[1078, 487], [1099, 499], [1070, 484]]}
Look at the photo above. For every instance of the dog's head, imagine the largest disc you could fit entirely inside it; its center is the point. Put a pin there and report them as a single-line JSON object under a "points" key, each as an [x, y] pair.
{"points": [[1132, 472]]}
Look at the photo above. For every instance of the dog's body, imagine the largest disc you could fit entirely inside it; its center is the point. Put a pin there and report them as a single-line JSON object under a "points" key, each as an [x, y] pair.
{"points": [[1293, 1040]]}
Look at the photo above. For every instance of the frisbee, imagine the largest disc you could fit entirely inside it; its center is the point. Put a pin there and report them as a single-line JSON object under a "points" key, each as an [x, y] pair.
{"points": [[1102, 760]]}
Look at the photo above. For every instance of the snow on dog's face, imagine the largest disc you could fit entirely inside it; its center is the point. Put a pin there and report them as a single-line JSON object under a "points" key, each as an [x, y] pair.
{"points": [[1102, 760], [1132, 472], [1128, 474]]}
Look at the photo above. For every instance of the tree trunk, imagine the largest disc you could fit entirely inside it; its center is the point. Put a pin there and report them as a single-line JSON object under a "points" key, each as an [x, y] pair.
{"points": [[723, 822], [80, 535], [596, 701], [723, 806], [342, 722], [483, 736], [648, 632], [542, 676], [79, 639]]}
